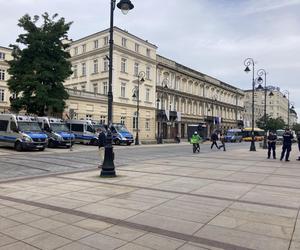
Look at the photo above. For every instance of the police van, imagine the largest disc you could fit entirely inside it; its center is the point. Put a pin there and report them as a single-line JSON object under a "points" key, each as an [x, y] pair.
{"points": [[21, 132], [58, 132], [84, 131]]}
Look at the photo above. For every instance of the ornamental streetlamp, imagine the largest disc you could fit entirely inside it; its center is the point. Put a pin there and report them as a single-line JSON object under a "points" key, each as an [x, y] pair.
{"points": [[247, 63], [286, 94], [136, 94], [214, 100], [165, 84], [108, 167]]}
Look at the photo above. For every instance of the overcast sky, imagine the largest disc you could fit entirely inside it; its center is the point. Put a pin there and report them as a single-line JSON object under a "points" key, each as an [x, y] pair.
{"points": [[211, 36]]}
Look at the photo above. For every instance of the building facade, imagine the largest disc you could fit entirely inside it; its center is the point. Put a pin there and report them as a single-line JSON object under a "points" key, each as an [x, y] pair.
{"points": [[88, 86], [187, 97], [276, 105], [5, 54]]}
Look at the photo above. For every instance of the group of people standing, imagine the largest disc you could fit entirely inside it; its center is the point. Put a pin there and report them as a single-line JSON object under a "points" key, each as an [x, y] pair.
{"points": [[287, 141]]}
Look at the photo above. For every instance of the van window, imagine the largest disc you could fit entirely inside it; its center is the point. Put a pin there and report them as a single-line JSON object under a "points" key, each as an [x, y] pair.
{"points": [[3, 125], [89, 129], [13, 126], [77, 127]]}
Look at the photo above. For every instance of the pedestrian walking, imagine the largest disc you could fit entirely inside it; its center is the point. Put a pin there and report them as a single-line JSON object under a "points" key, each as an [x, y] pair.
{"points": [[195, 140], [222, 140], [101, 145], [298, 139], [214, 138], [272, 144], [287, 145]]}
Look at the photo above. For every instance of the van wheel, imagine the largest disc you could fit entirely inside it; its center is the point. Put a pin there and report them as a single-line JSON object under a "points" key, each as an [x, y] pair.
{"points": [[128, 143], [117, 142], [94, 142], [18, 146], [41, 149]]}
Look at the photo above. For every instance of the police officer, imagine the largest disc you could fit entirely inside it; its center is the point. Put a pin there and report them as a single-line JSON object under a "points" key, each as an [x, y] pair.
{"points": [[272, 145], [287, 145]]}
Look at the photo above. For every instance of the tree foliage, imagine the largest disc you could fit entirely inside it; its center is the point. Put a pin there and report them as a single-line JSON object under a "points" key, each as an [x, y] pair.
{"points": [[272, 124], [40, 65], [296, 127]]}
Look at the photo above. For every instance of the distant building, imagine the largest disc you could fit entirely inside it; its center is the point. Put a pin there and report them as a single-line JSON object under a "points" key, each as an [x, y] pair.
{"points": [[293, 116], [276, 105]]}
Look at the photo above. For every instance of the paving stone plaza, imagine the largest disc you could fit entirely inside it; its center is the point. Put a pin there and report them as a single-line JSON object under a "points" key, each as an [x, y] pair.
{"points": [[221, 200]]}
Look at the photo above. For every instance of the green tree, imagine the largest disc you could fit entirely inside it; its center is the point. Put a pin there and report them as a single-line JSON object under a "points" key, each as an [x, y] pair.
{"points": [[40, 65], [271, 123]]}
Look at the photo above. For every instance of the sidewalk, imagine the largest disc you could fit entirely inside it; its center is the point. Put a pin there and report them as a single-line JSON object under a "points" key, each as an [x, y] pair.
{"points": [[235, 200]]}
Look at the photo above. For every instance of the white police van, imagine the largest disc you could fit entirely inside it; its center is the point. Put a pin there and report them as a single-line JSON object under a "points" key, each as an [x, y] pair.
{"points": [[21, 132], [58, 132], [84, 131]]}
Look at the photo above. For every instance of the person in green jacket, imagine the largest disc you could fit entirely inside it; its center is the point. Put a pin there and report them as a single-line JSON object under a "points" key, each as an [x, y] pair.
{"points": [[195, 140]]}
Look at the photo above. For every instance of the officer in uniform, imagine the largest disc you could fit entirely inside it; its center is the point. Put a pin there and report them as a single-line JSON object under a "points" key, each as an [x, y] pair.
{"points": [[272, 144], [287, 145]]}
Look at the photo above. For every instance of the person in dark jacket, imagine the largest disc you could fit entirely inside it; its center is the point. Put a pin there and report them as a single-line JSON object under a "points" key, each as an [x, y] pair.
{"points": [[214, 138], [272, 144], [287, 145], [101, 145]]}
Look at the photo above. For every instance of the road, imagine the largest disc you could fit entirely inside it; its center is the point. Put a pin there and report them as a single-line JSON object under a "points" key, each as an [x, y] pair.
{"points": [[22, 164]]}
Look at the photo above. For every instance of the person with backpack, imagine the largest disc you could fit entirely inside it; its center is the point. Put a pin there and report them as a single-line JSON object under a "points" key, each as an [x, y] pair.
{"points": [[195, 140]]}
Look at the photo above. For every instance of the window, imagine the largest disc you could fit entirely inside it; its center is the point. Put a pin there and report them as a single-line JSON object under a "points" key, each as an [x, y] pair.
{"points": [[147, 124], [105, 64], [136, 69], [2, 74], [123, 119], [3, 125], [137, 48], [1, 95], [88, 117], [123, 65], [76, 51], [83, 48], [124, 42], [148, 52], [96, 44], [75, 71], [105, 40], [83, 87], [104, 84], [147, 95], [134, 120], [95, 86], [77, 127], [83, 69], [95, 66], [148, 73], [123, 89], [2, 56], [102, 119], [13, 126]]}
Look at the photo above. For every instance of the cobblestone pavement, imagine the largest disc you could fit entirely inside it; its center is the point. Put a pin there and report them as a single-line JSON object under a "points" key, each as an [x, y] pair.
{"points": [[219, 200], [19, 164]]}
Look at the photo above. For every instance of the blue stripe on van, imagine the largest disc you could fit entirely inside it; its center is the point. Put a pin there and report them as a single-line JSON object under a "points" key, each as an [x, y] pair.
{"points": [[7, 138]]}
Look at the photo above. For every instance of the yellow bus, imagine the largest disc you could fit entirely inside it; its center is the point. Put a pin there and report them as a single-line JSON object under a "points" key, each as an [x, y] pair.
{"points": [[258, 134]]}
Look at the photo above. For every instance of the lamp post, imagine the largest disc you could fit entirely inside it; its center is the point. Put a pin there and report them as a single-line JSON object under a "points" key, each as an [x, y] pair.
{"points": [[260, 73], [286, 94], [136, 94], [108, 167], [165, 84], [214, 99], [247, 63]]}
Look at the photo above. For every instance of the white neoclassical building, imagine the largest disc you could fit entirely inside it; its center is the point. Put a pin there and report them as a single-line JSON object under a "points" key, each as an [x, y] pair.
{"points": [[186, 97]]}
